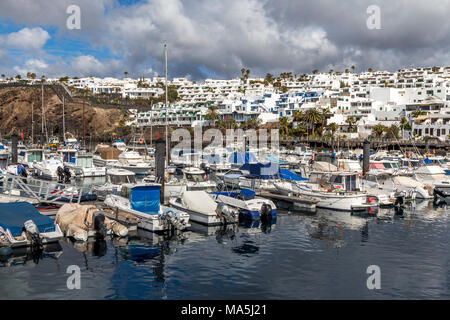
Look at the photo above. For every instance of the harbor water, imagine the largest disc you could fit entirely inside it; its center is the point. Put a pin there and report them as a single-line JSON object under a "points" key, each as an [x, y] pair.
{"points": [[320, 256]]}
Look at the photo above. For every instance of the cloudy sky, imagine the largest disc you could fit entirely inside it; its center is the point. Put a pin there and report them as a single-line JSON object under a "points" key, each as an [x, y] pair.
{"points": [[216, 38]]}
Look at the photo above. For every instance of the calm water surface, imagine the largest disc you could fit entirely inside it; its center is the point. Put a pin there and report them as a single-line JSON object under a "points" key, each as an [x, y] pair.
{"points": [[321, 256]]}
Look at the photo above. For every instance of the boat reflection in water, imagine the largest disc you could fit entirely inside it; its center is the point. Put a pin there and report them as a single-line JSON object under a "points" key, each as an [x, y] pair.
{"points": [[329, 225], [24, 255]]}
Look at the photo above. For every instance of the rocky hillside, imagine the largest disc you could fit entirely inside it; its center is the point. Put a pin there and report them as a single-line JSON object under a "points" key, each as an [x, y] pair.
{"points": [[17, 103]]}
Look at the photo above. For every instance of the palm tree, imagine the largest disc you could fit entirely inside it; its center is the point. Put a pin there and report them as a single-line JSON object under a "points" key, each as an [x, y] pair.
{"points": [[324, 113], [353, 68], [298, 115], [392, 131], [3, 76], [333, 127], [378, 130], [268, 79], [212, 115], [351, 121], [313, 117], [125, 74], [404, 125], [370, 69], [315, 71], [284, 128], [417, 113]]}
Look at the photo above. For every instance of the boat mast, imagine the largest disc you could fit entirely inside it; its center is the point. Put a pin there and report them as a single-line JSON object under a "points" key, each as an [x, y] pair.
{"points": [[64, 121], [167, 111], [151, 125], [32, 123], [42, 110], [84, 128], [44, 124]]}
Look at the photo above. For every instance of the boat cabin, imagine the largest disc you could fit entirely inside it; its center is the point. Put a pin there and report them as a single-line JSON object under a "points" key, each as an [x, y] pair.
{"points": [[345, 181], [33, 155], [194, 175], [119, 177]]}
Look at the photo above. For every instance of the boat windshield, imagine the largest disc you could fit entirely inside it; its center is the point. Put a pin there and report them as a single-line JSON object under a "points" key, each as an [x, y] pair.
{"points": [[197, 177], [119, 179], [84, 162], [387, 165], [35, 156]]}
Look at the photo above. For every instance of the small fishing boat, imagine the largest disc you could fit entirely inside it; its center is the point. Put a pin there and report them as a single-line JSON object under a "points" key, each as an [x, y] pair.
{"points": [[333, 190], [143, 202], [82, 166], [48, 168], [248, 206], [133, 161], [115, 178], [81, 222], [22, 225], [203, 209], [193, 179]]}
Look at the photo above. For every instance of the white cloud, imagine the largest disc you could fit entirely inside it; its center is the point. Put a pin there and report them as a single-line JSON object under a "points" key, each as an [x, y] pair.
{"points": [[88, 65], [37, 66], [28, 39], [224, 36]]}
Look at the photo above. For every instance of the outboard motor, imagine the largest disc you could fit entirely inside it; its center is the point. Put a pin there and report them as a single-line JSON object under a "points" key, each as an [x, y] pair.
{"points": [[226, 213], [173, 219], [60, 173], [67, 174], [266, 212], [98, 219], [399, 199], [33, 233], [204, 168]]}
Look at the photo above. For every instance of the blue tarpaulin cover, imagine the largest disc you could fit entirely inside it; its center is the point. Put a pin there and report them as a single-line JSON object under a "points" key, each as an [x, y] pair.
{"points": [[289, 175], [145, 199], [247, 194], [14, 215], [242, 157]]}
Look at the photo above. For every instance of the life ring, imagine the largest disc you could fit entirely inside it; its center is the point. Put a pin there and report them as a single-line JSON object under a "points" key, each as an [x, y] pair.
{"points": [[141, 141]]}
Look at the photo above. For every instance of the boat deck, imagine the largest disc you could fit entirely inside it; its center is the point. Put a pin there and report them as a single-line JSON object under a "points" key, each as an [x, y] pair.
{"points": [[298, 203]]}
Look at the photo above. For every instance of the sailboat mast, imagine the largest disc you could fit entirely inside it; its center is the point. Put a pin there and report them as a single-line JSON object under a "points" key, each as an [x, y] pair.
{"points": [[167, 110], [151, 125], [32, 123], [64, 121], [42, 110]]}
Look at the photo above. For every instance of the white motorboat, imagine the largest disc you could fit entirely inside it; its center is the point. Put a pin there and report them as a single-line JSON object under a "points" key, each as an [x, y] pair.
{"points": [[82, 165], [143, 202], [193, 179], [333, 190], [133, 161], [119, 144], [203, 209], [48, 168], [115, 178]]}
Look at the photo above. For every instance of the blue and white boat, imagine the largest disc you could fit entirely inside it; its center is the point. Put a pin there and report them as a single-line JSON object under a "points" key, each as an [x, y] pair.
{"points": [[22, 225], [143, 202], [249, 206]]}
